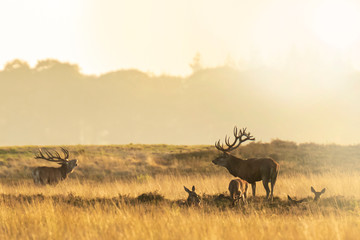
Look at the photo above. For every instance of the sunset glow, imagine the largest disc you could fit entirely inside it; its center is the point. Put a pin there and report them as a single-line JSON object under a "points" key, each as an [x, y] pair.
{"points": [[163, 37], [337, 23]]}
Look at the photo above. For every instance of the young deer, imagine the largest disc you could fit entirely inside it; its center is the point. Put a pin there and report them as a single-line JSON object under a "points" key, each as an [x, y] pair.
{"points": [[317, 194], [238, 189], [193, 199]]}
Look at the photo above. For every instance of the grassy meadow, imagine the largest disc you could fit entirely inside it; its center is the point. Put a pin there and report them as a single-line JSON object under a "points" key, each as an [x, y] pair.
{"points": [[134, 192]]}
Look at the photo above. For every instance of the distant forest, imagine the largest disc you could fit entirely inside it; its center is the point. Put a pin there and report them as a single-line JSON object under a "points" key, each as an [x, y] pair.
{"points": [[53, 103]]}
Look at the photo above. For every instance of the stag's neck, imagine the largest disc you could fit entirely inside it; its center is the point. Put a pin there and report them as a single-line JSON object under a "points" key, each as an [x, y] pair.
{"points": [[64, 171], [234, 164]]}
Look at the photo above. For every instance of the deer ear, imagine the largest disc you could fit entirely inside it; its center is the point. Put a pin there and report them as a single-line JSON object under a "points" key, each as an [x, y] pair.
{"points": [[322, 191], [313, 190], [193, 189], [187, 190]]}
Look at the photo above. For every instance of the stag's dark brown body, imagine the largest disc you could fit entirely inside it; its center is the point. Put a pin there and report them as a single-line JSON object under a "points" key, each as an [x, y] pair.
{"points": [[50, 175], [253, 169]]}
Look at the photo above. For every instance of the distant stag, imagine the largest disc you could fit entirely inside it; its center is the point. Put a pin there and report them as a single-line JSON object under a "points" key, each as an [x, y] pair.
{"points": [[238, 190], [52, 175], [193, 199], [317, 194], [250, 170]]}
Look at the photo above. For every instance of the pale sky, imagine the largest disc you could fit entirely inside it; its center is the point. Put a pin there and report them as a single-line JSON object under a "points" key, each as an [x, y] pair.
{"points": [[303, 58], [163, 36]]}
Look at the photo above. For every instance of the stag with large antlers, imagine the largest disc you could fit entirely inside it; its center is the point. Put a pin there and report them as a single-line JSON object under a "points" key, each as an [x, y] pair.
{"points": [[52, 175], [250, 170]]}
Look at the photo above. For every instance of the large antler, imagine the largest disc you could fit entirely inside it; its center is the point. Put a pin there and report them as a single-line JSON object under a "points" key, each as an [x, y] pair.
{"points": [[238, 140], [53, 157]]}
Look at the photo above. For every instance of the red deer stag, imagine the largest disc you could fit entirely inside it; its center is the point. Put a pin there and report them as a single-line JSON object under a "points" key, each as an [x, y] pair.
{"points": [[250, 170], [52, 175]]}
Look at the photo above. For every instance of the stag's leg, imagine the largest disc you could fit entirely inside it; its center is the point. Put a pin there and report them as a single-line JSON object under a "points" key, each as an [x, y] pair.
{"points": [[266, 186], [35, 180], [35, 175], [273, 176], [272, 188], [272, 191], [253, 186]]}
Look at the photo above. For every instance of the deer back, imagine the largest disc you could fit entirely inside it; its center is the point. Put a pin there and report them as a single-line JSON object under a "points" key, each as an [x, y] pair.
{"points": [[49, 175], [252, 170]]}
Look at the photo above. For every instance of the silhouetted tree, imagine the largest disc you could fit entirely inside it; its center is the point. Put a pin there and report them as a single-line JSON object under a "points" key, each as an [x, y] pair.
{"points": [[55, 64], [17, 65], [196, 63]]}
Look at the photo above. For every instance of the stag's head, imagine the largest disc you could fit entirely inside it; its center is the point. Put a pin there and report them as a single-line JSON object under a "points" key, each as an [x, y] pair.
{"points": [[240, 137], [193, 199], [221, 160], [71, 164], [56, 158]]}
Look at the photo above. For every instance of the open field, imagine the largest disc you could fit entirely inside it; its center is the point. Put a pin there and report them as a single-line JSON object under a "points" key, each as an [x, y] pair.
{"points": [[132, 192], [114, 162]]}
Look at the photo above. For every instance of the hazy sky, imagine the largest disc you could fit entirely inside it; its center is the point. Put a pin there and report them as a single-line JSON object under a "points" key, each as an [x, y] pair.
{"points": [[303, 57], [162, 36]]}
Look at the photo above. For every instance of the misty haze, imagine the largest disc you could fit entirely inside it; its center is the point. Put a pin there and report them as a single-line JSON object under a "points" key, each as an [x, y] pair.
{"points": [[53, 103]]}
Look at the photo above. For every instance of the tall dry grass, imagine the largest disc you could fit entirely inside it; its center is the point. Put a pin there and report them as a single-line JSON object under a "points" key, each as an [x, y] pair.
{"points": [[48, 219], [35, 212], [171, 186]]}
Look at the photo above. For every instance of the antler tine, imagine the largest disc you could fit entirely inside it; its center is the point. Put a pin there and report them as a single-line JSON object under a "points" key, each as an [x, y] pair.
{"points": [[49, 154], [247, 136], [227, 140], [66, 152], [236, 131], [57, 156], [39, 154], [52, 156], [217, 145]]}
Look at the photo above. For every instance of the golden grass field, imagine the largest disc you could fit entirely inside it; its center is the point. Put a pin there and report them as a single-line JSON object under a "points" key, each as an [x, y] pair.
{"points": [[95, 206]]}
